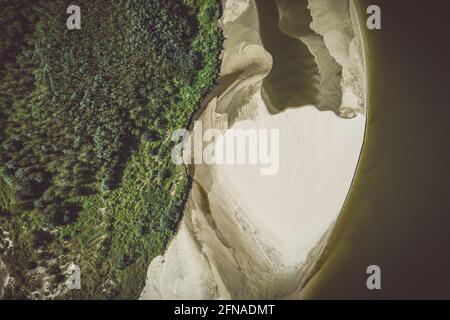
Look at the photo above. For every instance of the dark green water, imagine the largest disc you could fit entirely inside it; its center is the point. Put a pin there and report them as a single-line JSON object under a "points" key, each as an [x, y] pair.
{"points": [[294, 78], [397, 214]]}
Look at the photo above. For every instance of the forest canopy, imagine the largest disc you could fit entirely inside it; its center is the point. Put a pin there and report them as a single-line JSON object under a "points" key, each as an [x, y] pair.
{"points": [[85, 117]]}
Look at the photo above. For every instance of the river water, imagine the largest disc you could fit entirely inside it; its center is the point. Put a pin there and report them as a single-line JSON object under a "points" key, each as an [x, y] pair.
{"points": [[397, 215]]}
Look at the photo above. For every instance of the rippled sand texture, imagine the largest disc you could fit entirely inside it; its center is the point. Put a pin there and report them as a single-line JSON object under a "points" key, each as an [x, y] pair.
{"points": [[247, 236]]}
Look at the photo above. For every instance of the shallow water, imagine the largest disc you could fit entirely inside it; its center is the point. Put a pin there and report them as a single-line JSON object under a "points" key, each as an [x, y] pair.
{"points": [[294, 78]]}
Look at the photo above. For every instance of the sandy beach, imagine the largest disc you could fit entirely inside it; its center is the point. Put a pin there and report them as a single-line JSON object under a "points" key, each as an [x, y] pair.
{"points": [[248, 236]]}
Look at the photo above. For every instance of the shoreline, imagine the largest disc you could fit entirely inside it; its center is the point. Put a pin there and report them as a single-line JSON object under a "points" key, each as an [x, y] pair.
{"points": [[315, 262]]}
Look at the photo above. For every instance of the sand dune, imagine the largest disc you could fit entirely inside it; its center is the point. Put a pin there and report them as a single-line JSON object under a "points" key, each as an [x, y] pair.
{"points": [[247, 236]]}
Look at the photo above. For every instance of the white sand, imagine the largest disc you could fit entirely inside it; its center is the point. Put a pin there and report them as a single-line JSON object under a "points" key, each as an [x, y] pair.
{"points": [[317, 160], [247, 236]]}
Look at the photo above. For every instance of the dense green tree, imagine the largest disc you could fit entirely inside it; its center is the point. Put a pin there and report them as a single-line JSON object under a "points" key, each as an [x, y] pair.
{"points": [[78, 108]]}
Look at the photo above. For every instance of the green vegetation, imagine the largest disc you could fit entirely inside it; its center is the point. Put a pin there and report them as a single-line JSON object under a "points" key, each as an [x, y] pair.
{"points": [[86, 117]]}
